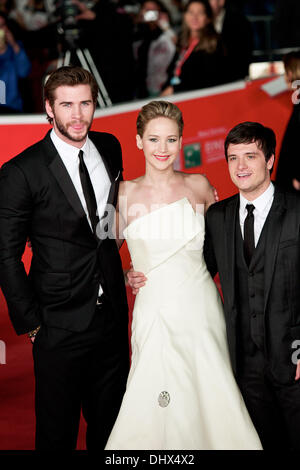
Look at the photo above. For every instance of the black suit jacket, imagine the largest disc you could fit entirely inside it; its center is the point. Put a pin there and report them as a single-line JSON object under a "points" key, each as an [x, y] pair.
{"points": [[288, 166], [281, 276], [38, 200]]}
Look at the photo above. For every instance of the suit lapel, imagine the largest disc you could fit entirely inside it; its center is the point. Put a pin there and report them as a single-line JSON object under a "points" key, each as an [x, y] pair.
{"points": [[274, 226], [60, 173], [231, 213]]}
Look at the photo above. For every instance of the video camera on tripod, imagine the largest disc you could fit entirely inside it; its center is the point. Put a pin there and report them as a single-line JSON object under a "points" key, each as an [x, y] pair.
{"points": [[68, 27], [69, 30]]}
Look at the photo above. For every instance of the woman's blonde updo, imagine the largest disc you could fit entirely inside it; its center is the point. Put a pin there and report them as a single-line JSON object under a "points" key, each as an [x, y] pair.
{"points": [[156, 109]]}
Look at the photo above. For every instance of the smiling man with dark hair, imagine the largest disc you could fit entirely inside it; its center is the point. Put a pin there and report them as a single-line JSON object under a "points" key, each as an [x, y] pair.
{"points": [[253, 241]]}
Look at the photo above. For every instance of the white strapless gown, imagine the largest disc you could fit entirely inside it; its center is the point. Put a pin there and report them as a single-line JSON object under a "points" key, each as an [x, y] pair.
{"points": [[181, 393]]}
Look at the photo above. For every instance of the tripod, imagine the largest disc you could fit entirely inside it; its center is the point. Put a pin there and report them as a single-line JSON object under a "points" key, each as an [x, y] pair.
{"points": [[87, 62]]}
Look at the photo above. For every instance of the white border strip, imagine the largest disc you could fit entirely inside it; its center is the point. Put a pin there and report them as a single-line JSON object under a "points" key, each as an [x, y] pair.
{"points": [[127, 107]]}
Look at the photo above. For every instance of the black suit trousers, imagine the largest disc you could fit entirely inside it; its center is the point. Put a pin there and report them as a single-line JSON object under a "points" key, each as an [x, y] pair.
{"points": [[274, 408], [79, 371]]}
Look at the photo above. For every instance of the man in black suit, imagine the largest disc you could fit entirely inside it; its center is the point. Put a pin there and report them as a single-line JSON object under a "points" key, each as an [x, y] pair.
{"points": [[72, 303], [253, 241]]}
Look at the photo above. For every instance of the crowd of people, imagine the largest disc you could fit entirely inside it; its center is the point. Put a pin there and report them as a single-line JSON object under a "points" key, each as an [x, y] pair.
{"points": [[144, 48]]}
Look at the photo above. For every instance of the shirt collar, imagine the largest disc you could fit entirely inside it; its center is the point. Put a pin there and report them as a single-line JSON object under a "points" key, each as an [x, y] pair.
{"points": [[261, 202], [66, 149]]}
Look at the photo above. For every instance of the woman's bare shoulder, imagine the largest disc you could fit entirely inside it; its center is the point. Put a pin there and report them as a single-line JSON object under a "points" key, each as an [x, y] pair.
{"points": [[196, 181], [126, 187], [200, 187]]}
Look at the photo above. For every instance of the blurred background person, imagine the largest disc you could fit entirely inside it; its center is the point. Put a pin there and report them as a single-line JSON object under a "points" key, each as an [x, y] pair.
{"points": [[14, 65], [39, 39], [108, 34], [236, 34], [288, 169], [174, 8], [154, 48], [7, 8], [30, 14], [200, 60]]}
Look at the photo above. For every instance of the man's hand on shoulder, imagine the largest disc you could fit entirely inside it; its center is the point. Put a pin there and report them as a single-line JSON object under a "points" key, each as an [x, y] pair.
{"points": [[136, 280]]}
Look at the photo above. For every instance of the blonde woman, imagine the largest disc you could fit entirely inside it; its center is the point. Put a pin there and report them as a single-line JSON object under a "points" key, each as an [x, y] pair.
{"points": [[181, 393]]}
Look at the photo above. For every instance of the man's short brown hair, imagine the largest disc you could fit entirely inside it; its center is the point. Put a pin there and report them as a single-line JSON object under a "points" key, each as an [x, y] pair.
{"points": [[69, 76]]}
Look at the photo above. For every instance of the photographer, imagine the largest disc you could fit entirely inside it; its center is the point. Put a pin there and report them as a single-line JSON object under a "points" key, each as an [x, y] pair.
{"points": [[14, 64], [107, 34], [154, 48]]}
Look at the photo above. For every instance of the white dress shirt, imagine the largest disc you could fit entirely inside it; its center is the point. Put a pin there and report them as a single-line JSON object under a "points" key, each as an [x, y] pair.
{"points": [[262, 207], [97, 171], [219, 21]]}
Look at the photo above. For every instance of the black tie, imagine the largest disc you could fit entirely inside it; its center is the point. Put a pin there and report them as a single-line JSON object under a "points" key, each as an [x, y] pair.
{"points": [[88, 191], [249, 244]]}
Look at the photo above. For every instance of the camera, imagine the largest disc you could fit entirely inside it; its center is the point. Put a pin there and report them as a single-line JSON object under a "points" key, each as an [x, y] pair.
{"points": [[67, 26], [151, 15], [67, 11]]}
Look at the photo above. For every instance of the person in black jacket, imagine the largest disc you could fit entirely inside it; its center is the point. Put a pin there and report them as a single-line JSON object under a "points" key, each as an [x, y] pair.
{"points": [[73, 302], [288, 169], [237, 37], [200, 59], [253, 240]]}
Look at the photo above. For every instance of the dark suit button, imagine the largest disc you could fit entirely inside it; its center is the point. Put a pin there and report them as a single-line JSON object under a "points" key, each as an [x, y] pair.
{"points": [[252, 294], [254, 315], [251, 273]]}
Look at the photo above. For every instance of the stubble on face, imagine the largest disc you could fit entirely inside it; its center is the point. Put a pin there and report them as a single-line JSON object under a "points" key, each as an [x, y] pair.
{"points": [[72, 113], [64, 128]]}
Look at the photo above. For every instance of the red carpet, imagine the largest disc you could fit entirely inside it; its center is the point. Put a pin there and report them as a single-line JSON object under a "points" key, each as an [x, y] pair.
{"points": [[17, 420]]}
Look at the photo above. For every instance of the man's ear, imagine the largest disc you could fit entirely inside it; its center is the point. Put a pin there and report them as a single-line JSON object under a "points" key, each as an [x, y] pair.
{"points": [[270, 162], [48, 109], [139, 142]]}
